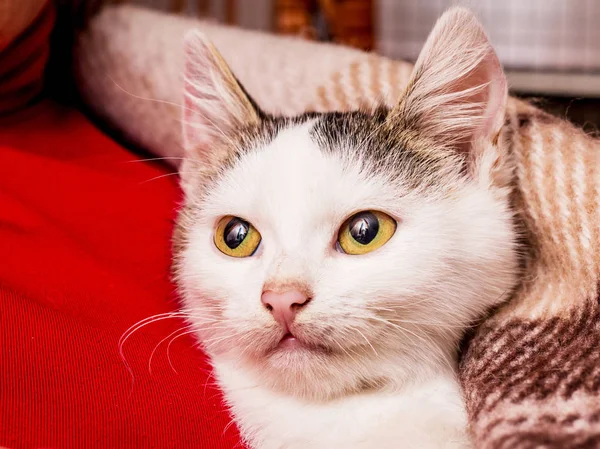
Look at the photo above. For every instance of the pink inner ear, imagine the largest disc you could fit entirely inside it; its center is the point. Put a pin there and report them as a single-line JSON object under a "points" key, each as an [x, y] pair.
{"points": [[197, 134], [193, 136], [196, 126], [492, 97], [496, 97]]}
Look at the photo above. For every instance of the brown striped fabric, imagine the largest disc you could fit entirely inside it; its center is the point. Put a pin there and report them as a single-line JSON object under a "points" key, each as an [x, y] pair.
{"points": [[531, 371], [531, 374]]}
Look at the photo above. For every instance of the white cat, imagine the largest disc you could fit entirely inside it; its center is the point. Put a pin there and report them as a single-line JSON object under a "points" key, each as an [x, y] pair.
{"points": [[330, 263]]}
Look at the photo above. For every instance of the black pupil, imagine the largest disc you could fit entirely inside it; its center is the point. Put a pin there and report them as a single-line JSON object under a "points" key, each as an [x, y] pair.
{"points": [[364, 227], [235, 232]]}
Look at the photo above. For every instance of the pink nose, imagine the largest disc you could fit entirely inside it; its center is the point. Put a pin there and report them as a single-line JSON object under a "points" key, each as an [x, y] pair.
{"points": [[284, 305]]}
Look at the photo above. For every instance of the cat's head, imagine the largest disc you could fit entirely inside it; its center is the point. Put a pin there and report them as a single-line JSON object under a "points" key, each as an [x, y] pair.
{"points": [[372, 238]]}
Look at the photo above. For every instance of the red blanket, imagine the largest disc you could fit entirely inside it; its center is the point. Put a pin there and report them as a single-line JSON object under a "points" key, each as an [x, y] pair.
{"points": [[84, 254]]}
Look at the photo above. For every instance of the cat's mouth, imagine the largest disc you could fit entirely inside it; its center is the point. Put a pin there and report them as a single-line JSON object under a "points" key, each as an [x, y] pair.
{"points": [[291, 342]]}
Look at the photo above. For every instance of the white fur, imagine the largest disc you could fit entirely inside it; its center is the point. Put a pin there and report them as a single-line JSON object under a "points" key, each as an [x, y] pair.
{"points": [[388, 322], [426, 414]]}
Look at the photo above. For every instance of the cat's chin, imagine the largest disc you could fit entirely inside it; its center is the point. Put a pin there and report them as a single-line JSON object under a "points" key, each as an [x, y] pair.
{"points": [[305, 369]]}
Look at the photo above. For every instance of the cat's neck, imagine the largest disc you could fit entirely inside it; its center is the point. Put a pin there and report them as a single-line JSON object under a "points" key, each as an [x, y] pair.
{"points": [[424, 406]]}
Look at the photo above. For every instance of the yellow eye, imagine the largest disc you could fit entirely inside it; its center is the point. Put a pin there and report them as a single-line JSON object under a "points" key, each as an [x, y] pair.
{"points": [[236, 237], [365, 232]]}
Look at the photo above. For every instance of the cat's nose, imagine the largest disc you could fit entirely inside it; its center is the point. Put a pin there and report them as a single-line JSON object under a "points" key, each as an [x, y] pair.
{"points": [[284, 305]]}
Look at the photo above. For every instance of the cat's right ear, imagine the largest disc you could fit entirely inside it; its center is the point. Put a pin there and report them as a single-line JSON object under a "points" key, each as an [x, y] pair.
{"points": [[215, 106]]}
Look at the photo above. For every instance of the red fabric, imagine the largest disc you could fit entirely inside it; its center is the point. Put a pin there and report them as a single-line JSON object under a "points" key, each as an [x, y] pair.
{"points": [[23, 62], [84, 254]]}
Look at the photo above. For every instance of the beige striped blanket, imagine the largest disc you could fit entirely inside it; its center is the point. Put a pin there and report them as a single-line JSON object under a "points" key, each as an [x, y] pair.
{"points": [[531, 371]]}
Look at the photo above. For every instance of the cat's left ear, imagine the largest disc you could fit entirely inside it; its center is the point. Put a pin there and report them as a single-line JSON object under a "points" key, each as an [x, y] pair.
{"points": [[458, 92], [215, 106]]}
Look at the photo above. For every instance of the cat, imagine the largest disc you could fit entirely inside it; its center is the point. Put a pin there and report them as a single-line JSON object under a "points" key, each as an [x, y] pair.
{"points": [[330, 263]]}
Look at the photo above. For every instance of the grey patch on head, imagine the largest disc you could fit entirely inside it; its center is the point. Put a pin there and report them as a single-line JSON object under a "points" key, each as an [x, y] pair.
{"points": [[383, 149]]}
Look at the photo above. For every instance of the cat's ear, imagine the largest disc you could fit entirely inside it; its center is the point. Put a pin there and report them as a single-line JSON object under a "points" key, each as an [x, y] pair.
{"points": [[457, 93], [215, 105]]}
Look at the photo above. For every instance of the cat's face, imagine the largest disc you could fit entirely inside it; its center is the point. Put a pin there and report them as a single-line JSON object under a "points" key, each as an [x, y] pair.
{"points": [[388, 241]]}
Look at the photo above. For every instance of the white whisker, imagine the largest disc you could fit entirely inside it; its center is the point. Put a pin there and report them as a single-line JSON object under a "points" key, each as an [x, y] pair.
{"points": [[136, 327], [187, 332], [158, 345], [366, 339]]}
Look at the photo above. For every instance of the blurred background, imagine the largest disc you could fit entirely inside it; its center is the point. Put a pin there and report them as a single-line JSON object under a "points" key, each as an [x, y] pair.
{"points": [[548, 47]]}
